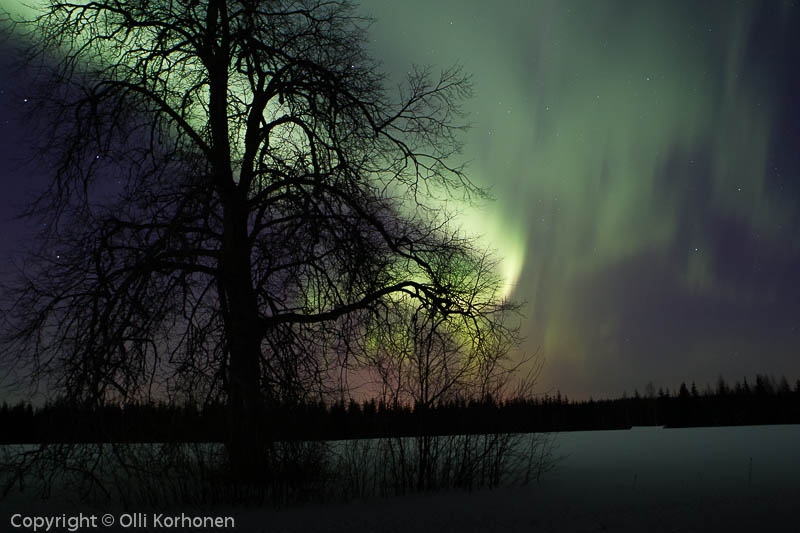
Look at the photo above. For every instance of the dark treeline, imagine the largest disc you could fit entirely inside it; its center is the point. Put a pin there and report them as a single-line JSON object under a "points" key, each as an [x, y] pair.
{"points": [[764, 401]]}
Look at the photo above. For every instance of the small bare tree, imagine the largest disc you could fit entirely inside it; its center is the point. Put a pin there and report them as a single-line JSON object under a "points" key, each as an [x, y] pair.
{"points": [[427, 357]]}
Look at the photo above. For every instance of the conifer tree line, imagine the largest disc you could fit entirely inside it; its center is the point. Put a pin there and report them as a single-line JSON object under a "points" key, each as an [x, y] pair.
{"points": [[763, 400]]}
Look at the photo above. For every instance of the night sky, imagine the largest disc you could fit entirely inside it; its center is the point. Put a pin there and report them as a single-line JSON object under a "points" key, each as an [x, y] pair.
{"points": [[644, 157]]}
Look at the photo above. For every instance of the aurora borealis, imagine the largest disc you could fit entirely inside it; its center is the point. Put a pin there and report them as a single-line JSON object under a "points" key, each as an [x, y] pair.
{"points": [[643, 156]]}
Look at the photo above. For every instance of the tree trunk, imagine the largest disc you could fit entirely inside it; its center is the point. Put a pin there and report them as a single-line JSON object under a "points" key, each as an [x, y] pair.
{"points": [[246, 441], [246, 451]]}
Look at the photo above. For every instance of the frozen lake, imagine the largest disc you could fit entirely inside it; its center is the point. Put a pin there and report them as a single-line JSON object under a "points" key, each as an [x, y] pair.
{"points": [[695, 460], [644, 479]]}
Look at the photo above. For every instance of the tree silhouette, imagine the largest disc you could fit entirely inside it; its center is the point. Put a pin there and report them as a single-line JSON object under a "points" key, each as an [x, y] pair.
{"points": [[236, 205], [425, 357]]}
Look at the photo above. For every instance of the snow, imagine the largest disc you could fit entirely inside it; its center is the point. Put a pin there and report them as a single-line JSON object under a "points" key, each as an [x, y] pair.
{"points": [[646, 479]]}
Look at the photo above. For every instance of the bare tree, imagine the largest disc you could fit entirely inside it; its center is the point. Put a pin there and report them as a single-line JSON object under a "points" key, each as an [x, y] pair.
{"points": [[235, 200], [423, 356]]}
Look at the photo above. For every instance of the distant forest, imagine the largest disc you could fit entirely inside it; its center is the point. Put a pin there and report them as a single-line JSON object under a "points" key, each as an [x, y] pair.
{"points": [[765, 401]]}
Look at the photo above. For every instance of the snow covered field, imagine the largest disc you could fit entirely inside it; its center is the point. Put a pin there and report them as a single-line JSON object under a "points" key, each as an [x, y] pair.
{"points": [[645, 479]]}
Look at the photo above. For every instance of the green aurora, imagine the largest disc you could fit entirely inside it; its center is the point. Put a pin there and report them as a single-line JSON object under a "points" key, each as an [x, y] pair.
{"points": [[631, 150], [613, 135]]}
